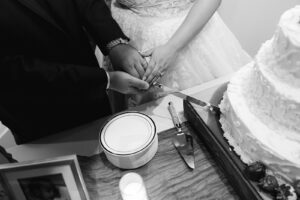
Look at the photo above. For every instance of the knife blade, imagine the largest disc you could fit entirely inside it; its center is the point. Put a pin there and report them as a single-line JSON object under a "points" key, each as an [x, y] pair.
{"points": [[213, 108], [183, 142]]}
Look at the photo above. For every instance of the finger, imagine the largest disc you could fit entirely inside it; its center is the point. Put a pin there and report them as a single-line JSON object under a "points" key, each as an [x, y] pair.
{"points": [[157, 76], [154, 80], [144, 64], [132, 71], [149, 70], [147, 53], [154, 73], [139, 84], [139, 68]]}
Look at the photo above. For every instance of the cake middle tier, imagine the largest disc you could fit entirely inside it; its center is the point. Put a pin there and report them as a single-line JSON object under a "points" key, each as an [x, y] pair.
{"points": [[252, 138], [275, 103]]}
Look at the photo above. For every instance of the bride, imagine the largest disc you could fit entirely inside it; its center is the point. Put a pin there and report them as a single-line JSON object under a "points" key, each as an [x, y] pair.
{"points": [[187, 42]]}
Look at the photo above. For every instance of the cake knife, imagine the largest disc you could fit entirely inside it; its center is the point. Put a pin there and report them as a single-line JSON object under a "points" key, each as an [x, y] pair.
{"points": [[183, 142], [213, 108]]}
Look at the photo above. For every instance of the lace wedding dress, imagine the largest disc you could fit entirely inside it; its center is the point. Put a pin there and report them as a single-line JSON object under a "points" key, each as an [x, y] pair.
{"points": [[213, 53]]}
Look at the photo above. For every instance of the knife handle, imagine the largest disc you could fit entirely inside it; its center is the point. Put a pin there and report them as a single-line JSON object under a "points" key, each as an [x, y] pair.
{"points": [[174, 115]]}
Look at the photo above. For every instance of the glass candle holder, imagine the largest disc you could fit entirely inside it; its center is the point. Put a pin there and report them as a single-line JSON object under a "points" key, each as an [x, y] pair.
{"points": [[132, 187]]}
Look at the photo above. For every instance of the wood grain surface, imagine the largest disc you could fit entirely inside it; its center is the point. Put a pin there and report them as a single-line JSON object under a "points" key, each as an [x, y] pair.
{"points": [[166, 176]]}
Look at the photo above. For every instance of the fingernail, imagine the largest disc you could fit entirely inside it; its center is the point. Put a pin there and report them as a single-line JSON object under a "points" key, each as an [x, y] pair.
{"points": [[146, 87], [144, 78]]}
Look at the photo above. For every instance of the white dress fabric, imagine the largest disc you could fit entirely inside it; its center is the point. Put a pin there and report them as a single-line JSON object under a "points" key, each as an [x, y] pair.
{"points": [[213, 53]]}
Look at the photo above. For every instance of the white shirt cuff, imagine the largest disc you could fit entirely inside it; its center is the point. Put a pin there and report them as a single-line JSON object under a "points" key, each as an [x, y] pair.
{"points": [[108, 80]]}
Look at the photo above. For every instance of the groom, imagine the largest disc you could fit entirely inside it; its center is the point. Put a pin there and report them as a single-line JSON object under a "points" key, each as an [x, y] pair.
{"points": [[49, 75]]}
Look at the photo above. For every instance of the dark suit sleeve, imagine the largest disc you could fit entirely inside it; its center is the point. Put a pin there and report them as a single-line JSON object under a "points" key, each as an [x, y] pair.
{"points": [[97, 19], [28, 71]]}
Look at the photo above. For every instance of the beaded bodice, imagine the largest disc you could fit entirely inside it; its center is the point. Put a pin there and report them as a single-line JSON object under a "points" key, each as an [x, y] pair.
{"points": [[156, 7]]}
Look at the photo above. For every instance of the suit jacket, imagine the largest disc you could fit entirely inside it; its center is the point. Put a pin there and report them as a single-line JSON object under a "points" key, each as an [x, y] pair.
{"points": [[49, 76]]}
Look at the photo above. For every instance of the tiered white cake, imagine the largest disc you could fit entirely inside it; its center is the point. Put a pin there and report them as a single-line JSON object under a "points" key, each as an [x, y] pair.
{"points": [[261, 108]]}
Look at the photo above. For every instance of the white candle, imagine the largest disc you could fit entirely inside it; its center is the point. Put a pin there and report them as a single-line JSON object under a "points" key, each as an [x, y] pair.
{"points": [[132, 187]]}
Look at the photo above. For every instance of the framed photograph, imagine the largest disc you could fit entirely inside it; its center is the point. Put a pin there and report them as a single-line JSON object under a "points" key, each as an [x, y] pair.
{"points": [[52, 179]]}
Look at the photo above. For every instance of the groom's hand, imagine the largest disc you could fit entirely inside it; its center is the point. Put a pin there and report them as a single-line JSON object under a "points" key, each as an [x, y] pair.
{"points": [[126, 84], [125, 57]]}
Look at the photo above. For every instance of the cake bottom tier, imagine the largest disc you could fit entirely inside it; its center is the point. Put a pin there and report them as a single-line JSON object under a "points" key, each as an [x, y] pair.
{"points": [[251, 139]]}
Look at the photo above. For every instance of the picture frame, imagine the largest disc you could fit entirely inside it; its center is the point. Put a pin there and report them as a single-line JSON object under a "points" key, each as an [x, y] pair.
{"points": [[57, 178]]}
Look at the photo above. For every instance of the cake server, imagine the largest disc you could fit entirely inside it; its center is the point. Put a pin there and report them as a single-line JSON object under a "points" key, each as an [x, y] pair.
{"points": [[183, 142], [213, 108]]}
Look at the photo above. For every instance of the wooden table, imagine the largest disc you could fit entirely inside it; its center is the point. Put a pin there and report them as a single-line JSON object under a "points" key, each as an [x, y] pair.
{"points": [[166, 176]]}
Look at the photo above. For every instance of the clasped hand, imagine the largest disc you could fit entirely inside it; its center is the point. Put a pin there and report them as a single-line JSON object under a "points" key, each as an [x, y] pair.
{"points": [[127, 58], [161, 58], [129, 68]]}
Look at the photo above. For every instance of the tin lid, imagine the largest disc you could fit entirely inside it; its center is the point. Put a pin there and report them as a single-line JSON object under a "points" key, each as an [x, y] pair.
{"points": [[127, 133]]}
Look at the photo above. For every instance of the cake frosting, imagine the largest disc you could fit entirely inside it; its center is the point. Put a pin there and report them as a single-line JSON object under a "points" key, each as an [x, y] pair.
{"points": [[284, 57], [261, 107]]}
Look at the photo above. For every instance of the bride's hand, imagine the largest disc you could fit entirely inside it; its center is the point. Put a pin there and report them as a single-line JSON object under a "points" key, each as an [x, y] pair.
{"points": [[162, 57]]}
